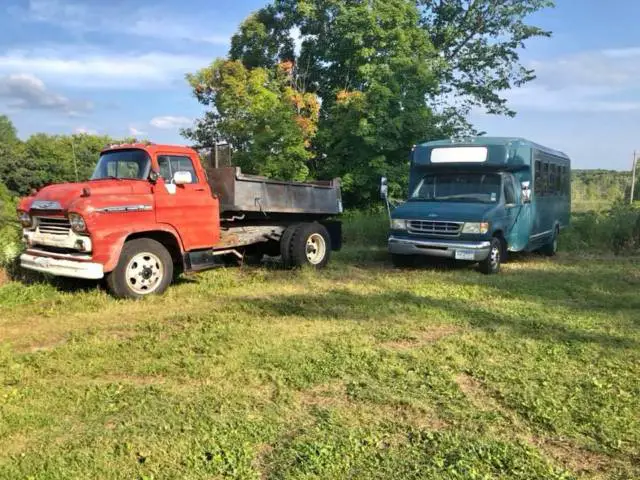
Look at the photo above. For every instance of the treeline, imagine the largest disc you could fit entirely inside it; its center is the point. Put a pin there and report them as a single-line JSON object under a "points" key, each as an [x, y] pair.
{"points": [[604, 186], [45, 159]]}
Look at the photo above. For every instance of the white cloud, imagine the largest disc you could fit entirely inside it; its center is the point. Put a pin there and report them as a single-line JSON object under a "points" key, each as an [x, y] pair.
{"points": [[102, 70], [85, 131], [169, 122], [135, 132], [122, 18], [590, 81], [27, 92]]}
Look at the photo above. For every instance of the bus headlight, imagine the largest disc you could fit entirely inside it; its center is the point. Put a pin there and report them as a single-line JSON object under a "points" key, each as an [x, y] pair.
{"points": [[398, 224], [477, 228], [26, 220], [77, 223]]}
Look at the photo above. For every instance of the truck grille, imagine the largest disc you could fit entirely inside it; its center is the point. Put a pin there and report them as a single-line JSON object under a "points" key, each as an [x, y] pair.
{"points": [[54, 226], [434, 228]]}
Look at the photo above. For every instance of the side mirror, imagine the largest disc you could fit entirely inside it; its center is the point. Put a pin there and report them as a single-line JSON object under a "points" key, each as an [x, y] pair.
{"points": [[154, 176], [384, 188], [526, 192], [182, 178]]}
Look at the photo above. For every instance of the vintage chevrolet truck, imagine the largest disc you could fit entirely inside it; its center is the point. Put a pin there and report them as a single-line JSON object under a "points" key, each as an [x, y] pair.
{"points": [[151, 211]]}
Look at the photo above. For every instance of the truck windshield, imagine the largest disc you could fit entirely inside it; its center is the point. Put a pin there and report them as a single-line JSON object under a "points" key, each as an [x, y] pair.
{"points": [[132, 164], [458, 187]]}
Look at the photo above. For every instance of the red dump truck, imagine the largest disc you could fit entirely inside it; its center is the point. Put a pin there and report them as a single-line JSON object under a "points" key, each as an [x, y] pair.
{"points": [[151, 211]]}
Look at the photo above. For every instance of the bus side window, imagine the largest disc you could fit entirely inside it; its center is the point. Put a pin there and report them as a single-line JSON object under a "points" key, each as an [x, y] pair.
{"points": [[546, 190], [538, 186]]}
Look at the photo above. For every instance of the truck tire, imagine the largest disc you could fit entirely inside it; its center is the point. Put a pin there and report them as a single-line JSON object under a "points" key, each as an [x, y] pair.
{"points": [[285, 245], [491, 265], [145, 268], [310, 244]]}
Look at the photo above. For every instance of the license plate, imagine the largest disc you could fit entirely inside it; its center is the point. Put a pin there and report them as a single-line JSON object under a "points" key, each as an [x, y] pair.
{"points": [[465, 255]]}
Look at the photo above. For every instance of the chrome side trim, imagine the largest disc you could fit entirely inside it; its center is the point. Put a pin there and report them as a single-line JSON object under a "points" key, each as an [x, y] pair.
{"points": [[538, 235], [125, 209]]}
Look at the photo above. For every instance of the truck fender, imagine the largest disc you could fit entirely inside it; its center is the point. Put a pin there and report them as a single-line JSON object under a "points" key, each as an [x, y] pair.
{"points": [[117, 241]]}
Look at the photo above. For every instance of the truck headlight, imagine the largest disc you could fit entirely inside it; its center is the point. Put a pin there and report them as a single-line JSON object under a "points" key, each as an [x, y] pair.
{"points": [[477, 228], [77, 223], [25, 219], [398, 224]]}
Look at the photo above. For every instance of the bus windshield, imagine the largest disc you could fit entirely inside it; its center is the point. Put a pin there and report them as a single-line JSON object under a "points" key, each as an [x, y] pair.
{"points": [[458, 187], [130, 164]]}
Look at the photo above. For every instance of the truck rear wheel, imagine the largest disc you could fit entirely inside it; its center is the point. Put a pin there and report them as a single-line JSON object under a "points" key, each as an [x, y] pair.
{"points": [[145, 268], [309, 244]]}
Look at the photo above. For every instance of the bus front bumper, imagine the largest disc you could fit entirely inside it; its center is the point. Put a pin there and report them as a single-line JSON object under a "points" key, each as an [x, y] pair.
{"points": [[470, 251]]}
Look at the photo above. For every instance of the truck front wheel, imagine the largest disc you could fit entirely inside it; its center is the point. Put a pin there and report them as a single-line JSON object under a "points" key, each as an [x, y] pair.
{"points": [[145, 268], [310, 244]]}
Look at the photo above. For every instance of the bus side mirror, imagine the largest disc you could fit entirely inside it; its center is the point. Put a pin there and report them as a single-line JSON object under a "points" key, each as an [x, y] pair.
{"points": [[526, 192], [384, 188]]}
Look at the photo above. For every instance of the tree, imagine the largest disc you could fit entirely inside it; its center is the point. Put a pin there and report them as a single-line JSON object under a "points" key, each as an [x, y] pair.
{"points": [[260, 113], [479, 42], [388, 73]]}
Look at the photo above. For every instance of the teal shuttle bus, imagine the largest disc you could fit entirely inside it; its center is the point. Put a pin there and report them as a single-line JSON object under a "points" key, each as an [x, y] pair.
{"points": [[476, 200]]}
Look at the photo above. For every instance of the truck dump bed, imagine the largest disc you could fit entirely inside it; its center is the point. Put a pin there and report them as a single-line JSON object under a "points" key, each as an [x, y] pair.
{"points": [[251, 193]]}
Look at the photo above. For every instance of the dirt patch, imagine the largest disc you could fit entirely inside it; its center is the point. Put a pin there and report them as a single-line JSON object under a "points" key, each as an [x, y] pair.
{"points": [[260, 459], [422, 338], [333, 394], [572, 457]]}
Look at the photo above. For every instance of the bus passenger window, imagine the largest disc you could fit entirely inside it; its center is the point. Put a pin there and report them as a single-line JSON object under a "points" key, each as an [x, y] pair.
{"points": [[538, 187]]}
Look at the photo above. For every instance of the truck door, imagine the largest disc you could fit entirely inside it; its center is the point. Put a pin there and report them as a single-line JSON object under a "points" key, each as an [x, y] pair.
{"points": [[518, 215], [189, 208]]}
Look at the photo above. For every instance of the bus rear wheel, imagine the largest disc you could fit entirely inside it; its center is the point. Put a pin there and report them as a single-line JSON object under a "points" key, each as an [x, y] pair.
{"points": [[551, 248]]}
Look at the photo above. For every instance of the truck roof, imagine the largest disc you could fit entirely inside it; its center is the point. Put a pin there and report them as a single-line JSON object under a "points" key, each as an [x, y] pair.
{"points": [[150, 147], [478, 140]]}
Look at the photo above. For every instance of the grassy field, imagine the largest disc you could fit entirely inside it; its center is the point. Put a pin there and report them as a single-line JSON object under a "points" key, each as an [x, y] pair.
{"points": [[359, 371]]}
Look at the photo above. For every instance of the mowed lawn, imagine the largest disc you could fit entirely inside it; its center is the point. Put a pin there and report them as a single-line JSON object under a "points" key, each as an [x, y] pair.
{"points": [[359, 371]]}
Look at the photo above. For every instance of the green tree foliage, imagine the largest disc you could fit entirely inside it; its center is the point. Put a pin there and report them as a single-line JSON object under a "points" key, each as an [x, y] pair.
{"points": [[479, 42], [261, 113], [598, 189], [44, 159], [388, 73]]}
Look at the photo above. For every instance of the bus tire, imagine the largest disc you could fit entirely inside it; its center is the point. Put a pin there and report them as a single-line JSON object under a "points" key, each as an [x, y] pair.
{"points": [[310, 245], [491, 265], [145, 268], [551, 248]]}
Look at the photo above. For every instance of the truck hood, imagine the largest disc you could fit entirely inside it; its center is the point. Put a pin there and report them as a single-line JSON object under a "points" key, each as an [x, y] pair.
{"points": [[61, 197], [445, 211]]}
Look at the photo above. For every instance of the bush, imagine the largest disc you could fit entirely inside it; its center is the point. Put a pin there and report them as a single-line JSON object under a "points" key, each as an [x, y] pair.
{"points": [[616, 230], [365, 228], [10, 245]]}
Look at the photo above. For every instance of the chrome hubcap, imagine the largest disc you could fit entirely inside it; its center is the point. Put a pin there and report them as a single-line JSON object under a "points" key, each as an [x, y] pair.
{"points": [[316, 248], [144, 273]]}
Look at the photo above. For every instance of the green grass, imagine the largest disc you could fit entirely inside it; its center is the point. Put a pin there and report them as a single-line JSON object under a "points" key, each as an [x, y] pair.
{"points": [[358, 371]]}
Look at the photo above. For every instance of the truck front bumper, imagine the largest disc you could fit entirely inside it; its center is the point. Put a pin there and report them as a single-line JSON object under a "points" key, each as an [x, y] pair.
{"points": [[62, 267], [472, 251]]}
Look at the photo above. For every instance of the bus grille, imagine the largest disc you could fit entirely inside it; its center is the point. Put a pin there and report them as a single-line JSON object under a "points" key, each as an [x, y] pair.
{"points": [[54, 226], [434, 228]]}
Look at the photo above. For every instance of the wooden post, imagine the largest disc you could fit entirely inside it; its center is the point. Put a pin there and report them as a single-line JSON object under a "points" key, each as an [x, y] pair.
{"points": [[633, 177]]}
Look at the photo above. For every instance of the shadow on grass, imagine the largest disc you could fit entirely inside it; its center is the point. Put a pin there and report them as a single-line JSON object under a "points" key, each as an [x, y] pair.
{"points": [[346, 305]]}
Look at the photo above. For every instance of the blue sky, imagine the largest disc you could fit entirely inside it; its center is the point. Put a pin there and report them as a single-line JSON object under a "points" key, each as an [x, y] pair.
{"points": [[117, 67]]}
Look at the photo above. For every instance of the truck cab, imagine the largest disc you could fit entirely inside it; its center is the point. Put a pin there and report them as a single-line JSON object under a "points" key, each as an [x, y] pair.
{"points": [[149, 211], [476, 200]]}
